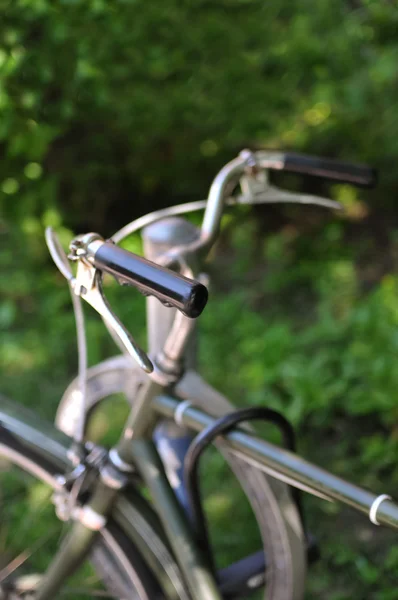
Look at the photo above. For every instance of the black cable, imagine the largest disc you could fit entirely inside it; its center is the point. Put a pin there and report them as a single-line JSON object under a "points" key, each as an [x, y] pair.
{"points": [[203, 440]]}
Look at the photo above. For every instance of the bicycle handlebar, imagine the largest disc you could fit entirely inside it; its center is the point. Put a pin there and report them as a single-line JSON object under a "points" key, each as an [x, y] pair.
{"points": [[187, 295], [249, 163], [344, 172], [171, 288], [354, 174]]}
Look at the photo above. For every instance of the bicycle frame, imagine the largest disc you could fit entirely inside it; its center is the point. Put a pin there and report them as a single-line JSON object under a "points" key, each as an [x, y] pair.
{"points": [[285, 465]]}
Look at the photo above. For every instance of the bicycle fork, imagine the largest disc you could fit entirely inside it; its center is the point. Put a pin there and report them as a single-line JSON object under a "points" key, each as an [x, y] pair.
{"points": [[88, 521]]}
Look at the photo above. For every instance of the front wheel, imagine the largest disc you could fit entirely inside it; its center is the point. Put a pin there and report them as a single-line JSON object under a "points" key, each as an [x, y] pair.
{"points": [[30, 532]]}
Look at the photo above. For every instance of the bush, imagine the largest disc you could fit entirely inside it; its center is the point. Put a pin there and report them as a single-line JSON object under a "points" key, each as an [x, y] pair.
{"points": [[105, 105]]}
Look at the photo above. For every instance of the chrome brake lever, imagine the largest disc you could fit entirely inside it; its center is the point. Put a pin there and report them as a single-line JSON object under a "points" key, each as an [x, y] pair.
{"points": [[256, 190], [88, 285]]}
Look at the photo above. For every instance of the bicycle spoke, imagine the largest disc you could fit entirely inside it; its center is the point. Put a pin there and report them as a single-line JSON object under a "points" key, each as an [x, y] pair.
{"points": [[14, 565]]}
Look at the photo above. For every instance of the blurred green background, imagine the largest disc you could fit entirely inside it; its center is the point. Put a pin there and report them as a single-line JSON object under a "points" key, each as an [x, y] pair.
{"points": [[109, 110]]}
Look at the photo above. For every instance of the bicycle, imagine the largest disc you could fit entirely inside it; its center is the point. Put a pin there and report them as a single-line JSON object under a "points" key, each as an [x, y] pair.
{"points": [[159, 548]]}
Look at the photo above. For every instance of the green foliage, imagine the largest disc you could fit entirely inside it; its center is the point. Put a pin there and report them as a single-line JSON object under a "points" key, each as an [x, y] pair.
{"points": [[302, 336], [103, 101]]}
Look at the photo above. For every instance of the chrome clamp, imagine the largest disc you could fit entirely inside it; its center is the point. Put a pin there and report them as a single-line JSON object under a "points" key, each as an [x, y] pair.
{"points": [[179, 412]]}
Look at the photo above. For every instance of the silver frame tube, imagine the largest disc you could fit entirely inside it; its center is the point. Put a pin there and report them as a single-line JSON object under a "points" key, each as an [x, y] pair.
{"points": [[294, 470]]}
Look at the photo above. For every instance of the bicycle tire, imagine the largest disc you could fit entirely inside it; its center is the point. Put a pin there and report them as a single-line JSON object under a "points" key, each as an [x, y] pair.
{"points": [[120, 563], [276, 514]]}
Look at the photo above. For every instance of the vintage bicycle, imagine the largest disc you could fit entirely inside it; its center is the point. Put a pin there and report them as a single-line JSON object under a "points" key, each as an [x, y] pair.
{"points": [[135, 511]]}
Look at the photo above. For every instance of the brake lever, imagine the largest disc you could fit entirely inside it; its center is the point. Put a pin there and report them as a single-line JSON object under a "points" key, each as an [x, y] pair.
{"points": [[256, 190], [88, 285]]}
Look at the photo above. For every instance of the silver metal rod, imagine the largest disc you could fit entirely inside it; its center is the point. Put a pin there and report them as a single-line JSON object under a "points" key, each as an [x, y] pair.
{"points": [[157, 215], [230, 173], [215, 203], [293, 468]]}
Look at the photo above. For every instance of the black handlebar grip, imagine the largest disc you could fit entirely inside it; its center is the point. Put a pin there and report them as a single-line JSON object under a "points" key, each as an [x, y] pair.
{"points": [[355, 174], [188, 295]]}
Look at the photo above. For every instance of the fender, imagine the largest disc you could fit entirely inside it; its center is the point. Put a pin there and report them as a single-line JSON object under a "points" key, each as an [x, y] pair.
{"points": [[33, 443]]}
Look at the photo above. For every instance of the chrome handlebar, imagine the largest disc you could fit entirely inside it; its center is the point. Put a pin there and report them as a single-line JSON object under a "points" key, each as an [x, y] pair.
{"points": [[250, 171]]}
